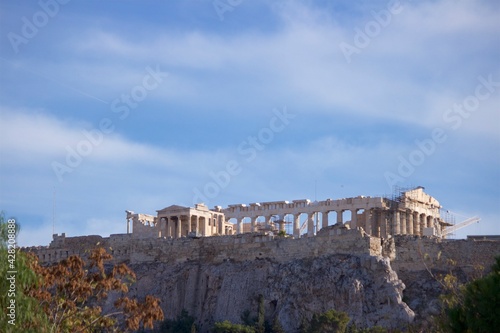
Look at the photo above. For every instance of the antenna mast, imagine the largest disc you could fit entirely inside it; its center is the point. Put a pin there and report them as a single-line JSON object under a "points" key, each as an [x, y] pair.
{"points": [[54, 211], [315, 188]]}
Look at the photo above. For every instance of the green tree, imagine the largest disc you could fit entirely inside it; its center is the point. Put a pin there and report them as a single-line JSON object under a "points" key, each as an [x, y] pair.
{"points": [[330, 321], [19, 312], [65, 297], [277, 328], [260, 325], [228, 327], [247, 319], [474, 307], [184, 323]]}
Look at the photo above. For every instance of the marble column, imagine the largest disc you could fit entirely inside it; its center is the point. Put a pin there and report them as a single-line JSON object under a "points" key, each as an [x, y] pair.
{"points": [[310, 225], [396, 223], [402, 218], [240, 225], [254, 223], [409, 227], [423, 223], [416, 223], [383, 224], [163, 227], [179, 227], [354, 218], [340, 219], [376, 223], [170, 231], [296, 226], [324, 220], [369, 222], [189, 224]]}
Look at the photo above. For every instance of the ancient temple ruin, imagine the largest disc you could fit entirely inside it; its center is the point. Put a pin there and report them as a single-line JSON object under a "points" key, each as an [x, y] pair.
{"points": [[411, 212], [179, 221]]}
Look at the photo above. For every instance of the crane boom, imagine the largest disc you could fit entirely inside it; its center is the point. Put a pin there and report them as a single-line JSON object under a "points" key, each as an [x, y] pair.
{"points": [[303, 226], [460, 225]]}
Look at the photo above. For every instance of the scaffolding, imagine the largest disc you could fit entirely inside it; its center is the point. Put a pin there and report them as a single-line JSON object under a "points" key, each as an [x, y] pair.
{"points": [[449, 219]]}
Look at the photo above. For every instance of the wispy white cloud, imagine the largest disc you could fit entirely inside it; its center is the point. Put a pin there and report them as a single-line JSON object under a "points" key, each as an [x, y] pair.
{"points": [[425, 44], [43, 136]]}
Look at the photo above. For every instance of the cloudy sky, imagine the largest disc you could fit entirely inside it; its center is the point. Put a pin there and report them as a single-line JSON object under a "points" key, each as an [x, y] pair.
{"points": [[114, 105]]}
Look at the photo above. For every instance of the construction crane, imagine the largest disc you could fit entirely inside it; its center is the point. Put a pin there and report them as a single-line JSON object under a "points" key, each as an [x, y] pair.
{"points": [[305, 223], [452, 229]]}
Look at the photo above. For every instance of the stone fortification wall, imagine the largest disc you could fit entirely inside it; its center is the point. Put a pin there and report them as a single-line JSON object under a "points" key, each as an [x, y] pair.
{"points": [[421, 263], [62, 247], [406, 252], [249, 246], [252, 246], [74, 243], [414, 253]]}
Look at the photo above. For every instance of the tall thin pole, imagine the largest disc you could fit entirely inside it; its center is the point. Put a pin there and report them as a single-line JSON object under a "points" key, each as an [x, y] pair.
{"points": [[315, 198], [54, 211], [315, 188]]}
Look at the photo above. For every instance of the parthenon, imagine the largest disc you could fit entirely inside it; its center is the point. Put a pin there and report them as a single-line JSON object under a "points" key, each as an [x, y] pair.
{"points": [[411, 212]]}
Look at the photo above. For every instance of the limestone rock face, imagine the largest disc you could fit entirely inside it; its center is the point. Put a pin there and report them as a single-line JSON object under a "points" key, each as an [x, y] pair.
{"points": [[364, 286]]}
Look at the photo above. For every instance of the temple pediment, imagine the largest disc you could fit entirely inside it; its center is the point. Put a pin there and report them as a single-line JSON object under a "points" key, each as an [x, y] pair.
{"points": [[173, 208]]}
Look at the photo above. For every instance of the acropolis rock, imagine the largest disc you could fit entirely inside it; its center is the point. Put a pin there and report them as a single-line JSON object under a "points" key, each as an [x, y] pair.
{"points": [[363, 286], [215, 263]]}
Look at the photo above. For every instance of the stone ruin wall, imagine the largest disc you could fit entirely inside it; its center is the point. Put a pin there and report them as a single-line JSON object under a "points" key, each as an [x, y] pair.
{"points": [[241, 247], [419, 253], [407, 252], [143, 226]]}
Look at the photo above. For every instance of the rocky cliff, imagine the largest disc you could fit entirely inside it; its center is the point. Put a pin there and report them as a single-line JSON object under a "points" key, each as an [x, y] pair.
{"points": [[217, 278], [364, 286]]}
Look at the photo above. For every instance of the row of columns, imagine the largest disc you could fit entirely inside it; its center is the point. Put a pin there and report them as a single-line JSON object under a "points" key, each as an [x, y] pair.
{"points": [[377, 222], [172, 225], [382, 223], [324, 221], [296, 226]]}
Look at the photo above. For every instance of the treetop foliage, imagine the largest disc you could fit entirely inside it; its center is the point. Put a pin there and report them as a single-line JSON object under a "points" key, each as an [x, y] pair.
{"points": [[67, 296]]}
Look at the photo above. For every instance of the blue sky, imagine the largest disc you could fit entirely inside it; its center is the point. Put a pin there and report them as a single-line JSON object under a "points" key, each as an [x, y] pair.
{"points": [[116, 105]]}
